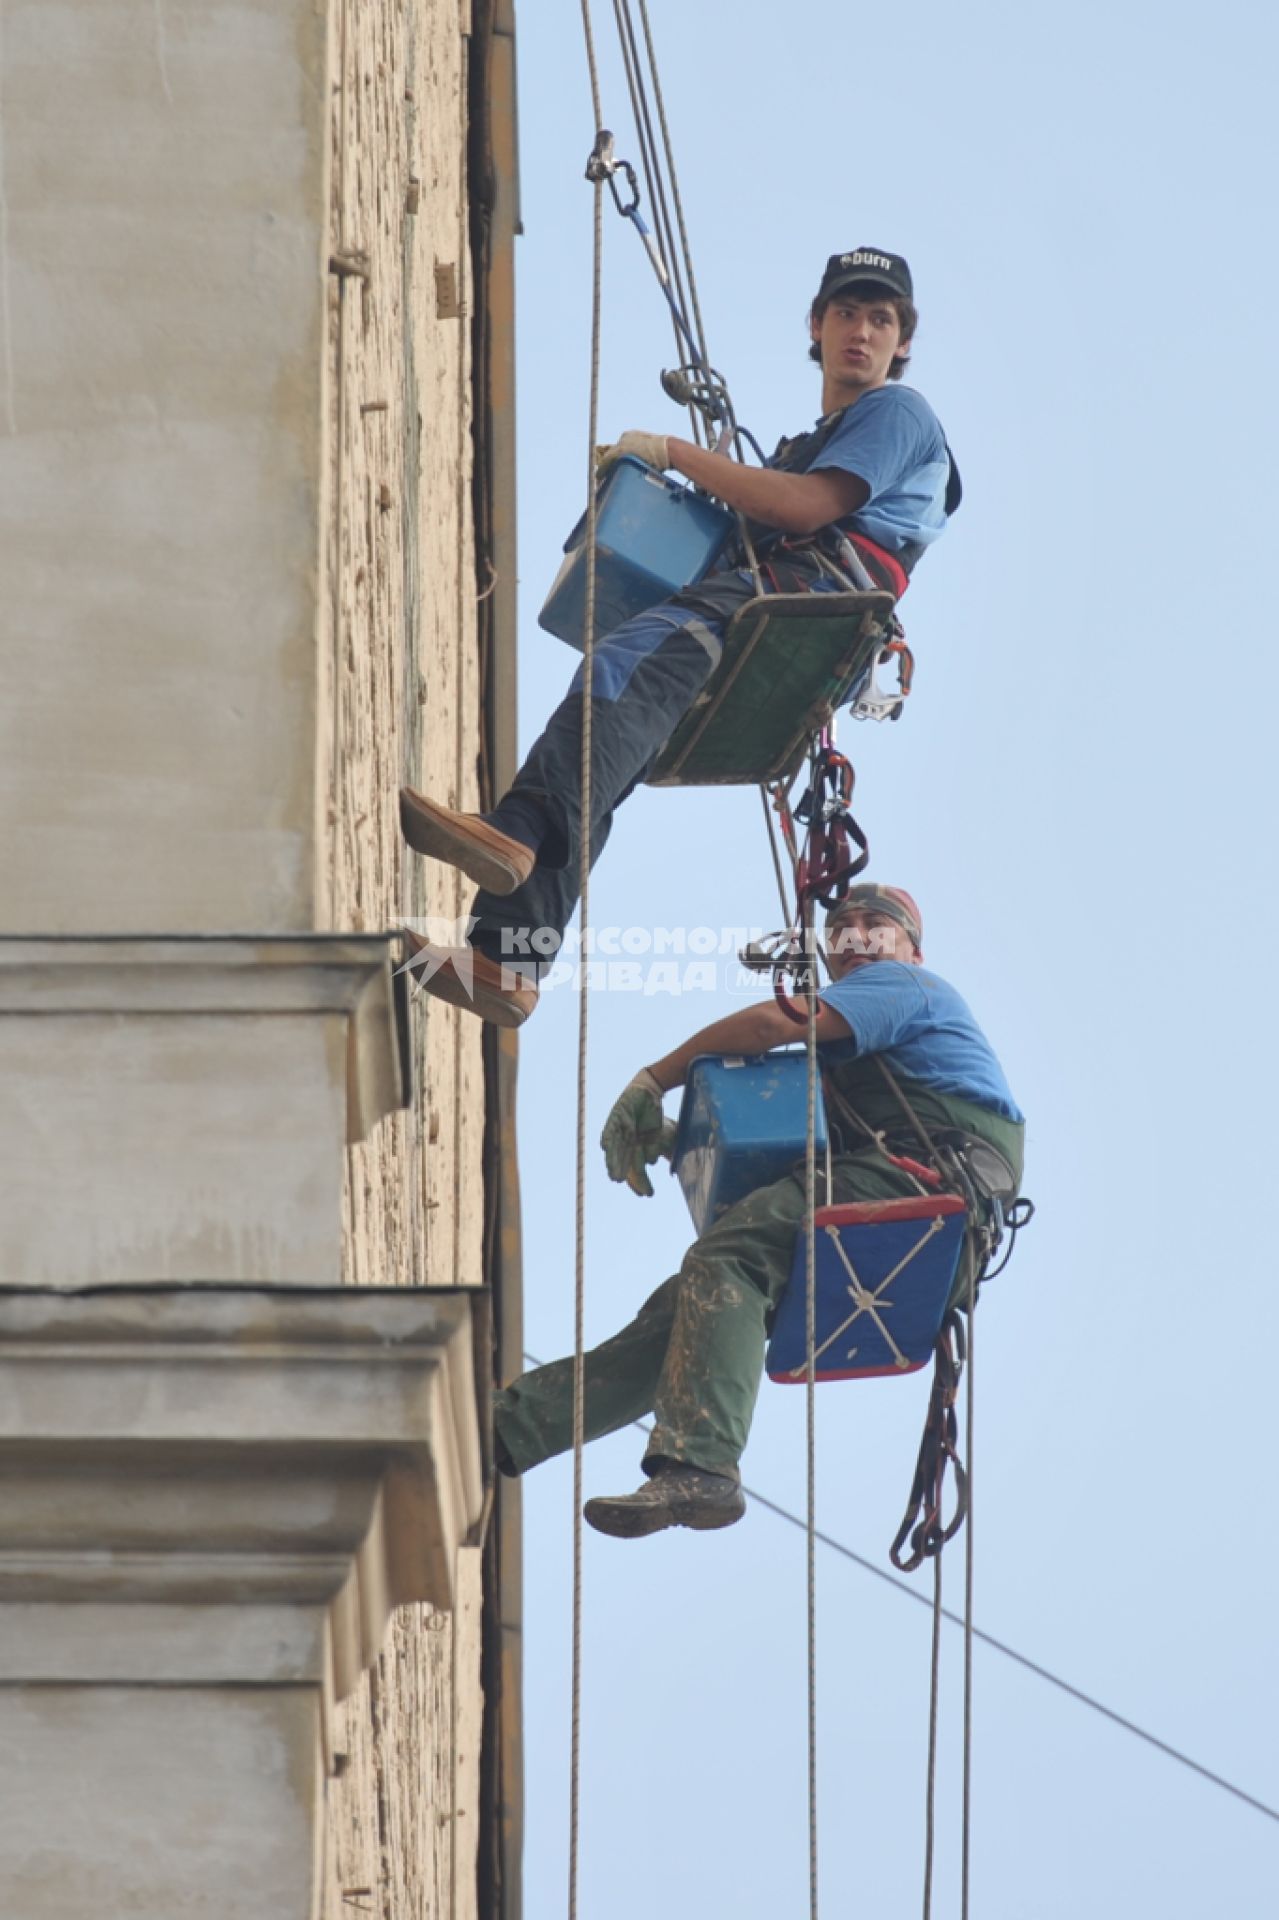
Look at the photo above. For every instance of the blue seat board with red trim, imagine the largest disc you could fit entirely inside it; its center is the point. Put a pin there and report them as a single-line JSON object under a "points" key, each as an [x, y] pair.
{"points": [[742, 1125], [885, 1270]]}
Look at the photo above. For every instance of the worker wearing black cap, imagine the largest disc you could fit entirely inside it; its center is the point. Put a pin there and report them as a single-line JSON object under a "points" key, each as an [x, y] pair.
{"points": [[875, 470]]}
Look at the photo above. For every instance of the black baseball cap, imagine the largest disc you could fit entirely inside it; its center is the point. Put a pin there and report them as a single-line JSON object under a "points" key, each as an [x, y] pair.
{"points": [[866, 263]]}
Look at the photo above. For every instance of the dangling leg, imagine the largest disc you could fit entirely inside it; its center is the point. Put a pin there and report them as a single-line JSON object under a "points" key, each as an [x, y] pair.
{"points": [[705, 1394], [526, 852], [533, 1417]]}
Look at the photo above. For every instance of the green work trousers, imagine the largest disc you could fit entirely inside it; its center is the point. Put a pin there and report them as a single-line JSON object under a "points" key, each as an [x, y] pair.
{"points": [[694, 1353]]}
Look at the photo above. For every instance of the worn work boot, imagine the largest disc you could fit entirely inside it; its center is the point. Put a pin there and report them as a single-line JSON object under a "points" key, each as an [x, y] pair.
{"points": [[470, 980], [466, 840], [677, 1496]]}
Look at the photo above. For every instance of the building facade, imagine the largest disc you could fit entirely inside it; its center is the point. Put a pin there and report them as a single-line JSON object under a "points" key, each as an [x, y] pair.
{"points": [[260, 1241]]}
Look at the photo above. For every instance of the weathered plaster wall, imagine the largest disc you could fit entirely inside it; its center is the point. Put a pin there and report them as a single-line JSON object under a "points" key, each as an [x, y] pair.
{"points": [[402, 702], [162, 192]]}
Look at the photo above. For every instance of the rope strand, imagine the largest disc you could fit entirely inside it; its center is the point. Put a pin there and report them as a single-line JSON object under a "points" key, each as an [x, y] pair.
{"points": [[810, 1348], [650, 165], [930, 1793], [676, 196], [579, 1281], [969, 1564]]}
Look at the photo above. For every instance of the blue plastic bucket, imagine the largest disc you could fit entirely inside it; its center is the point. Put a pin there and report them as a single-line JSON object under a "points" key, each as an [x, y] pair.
{"points": [[743, 1124], [654, 535]]}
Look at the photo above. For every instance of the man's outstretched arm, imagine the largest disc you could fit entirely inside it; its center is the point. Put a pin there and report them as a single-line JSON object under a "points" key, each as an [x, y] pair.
{"points": [[753, 1030], [792, 502], [636, 1134]]}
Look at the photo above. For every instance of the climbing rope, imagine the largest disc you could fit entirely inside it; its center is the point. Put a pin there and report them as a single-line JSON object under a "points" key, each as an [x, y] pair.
{"points": [[656, 183], [930, 1791], [822, 872], [969, 1428], [823, 869], [810, 1395], [674, 179], [695, 383], [584, 875]]}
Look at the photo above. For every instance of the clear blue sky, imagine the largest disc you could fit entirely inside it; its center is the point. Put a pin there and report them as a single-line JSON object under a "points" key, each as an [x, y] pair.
{"points": [[1080, 798]]}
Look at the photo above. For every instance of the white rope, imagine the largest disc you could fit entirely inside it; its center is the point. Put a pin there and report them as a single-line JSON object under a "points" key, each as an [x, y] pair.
{"points": [[579, 1286], [777, 857], [969, 1427], [930, 1795], [810, 1344]]}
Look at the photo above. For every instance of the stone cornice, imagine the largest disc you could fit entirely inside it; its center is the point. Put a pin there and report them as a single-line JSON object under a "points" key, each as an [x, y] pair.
{"points": [[349, 974], [274, 1470]]}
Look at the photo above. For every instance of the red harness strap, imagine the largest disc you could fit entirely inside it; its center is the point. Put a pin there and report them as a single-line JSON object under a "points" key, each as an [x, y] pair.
{"points": [[889, 567]]}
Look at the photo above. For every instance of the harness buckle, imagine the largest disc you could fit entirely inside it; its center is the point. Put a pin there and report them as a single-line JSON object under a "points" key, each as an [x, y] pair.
{"points": [[875, 702]]}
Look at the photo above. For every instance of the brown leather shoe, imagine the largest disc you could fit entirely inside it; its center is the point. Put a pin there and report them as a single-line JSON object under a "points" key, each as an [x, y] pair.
{"points": [[492, 859], [678, 1496], [470, 980]]}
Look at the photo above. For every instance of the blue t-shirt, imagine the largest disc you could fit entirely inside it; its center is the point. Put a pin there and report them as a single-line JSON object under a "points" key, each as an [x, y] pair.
{"points": [[892, 439], [924, 1030]]}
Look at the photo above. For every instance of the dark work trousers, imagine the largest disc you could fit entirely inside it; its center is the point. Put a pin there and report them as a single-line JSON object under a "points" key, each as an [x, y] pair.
{"points": [[694, 1353], [646, 676]]}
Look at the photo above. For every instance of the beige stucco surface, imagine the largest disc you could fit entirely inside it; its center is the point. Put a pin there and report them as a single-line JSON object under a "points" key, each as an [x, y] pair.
{"points": [[211, 1501], [161, 369], [239, 1121], [124, 1834]]}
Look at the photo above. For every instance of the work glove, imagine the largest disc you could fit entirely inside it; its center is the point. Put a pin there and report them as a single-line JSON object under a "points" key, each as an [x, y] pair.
{"points": [[651, 448], [636, 1134]]}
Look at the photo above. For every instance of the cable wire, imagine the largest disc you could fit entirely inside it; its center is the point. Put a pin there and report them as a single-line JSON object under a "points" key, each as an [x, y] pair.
{"points": [[1002, 1647], [1023, 1660]]}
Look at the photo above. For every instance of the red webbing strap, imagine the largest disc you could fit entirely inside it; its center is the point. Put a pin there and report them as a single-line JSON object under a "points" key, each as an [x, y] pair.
{"points": [[895, 576], [828, 864]]}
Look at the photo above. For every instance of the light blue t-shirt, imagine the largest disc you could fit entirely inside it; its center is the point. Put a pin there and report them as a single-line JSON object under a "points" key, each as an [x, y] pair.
{"points": [[892, 439], [924, 1030]]}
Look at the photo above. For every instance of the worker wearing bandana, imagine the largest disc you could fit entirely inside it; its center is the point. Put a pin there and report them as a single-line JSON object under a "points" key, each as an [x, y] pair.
{"points": [[693, 1355]]}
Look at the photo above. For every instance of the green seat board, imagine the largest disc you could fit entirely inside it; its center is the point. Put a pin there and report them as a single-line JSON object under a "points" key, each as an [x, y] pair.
{"points": [[789, 660]]}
